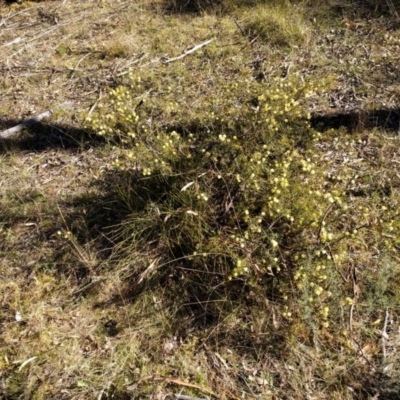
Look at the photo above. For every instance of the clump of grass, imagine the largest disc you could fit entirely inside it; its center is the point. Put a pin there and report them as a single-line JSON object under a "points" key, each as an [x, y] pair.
{"points": [[121, 48], [277, 26]]}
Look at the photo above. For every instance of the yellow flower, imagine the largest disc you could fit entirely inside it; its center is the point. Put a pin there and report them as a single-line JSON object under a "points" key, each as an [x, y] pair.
{"points": [[274, 243]]}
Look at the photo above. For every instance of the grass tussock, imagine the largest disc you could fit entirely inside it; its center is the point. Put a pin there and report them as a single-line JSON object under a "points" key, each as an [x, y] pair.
{"points": [[277, 26], [208, 222]]}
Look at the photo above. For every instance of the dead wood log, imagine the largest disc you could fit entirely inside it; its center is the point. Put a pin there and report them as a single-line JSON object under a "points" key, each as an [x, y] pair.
{"points": [[18, 128]]}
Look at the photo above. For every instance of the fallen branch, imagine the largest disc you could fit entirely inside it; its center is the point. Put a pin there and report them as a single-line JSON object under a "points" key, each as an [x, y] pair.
{"points": [[192, 50], [15, 129]]}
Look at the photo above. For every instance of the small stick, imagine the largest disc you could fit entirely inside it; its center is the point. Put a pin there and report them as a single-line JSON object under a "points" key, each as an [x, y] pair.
{"points": [[321, 224], [191, 385], [384, 333], [14, 130], [355, 297], [240, 28], [192, 50], [351, 316], [94, 104], [183, 397]]}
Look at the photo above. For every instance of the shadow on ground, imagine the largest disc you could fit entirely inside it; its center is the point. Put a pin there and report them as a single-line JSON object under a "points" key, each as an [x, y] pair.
{"points": [[199, 297], [365, 9], [383, 387], [357, 121], [41, 136]]}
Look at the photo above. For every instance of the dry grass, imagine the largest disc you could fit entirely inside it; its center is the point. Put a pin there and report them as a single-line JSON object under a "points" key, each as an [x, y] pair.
{"points": [[88, 329]]}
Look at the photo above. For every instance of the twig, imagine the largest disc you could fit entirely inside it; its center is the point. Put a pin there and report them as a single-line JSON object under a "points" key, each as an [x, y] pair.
{"points": [[14, 130], [140, 57], [356, 292], [192, 50], [94, 104], [191, 385], [240, 28], [77, 65], [9, 16], [392, 9], [362, 352], [41, 34], [245, 35], [149, 269], [321, 224], [14, 41], [351, 316], [334, 264], [183, 397], [384, 334]]}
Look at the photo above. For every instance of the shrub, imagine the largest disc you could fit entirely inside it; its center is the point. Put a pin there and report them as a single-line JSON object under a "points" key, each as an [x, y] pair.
{"points": [[245, 191]]}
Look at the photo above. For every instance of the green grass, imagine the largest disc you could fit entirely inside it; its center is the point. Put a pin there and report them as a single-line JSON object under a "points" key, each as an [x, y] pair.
{"points": [[181, 226]]}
